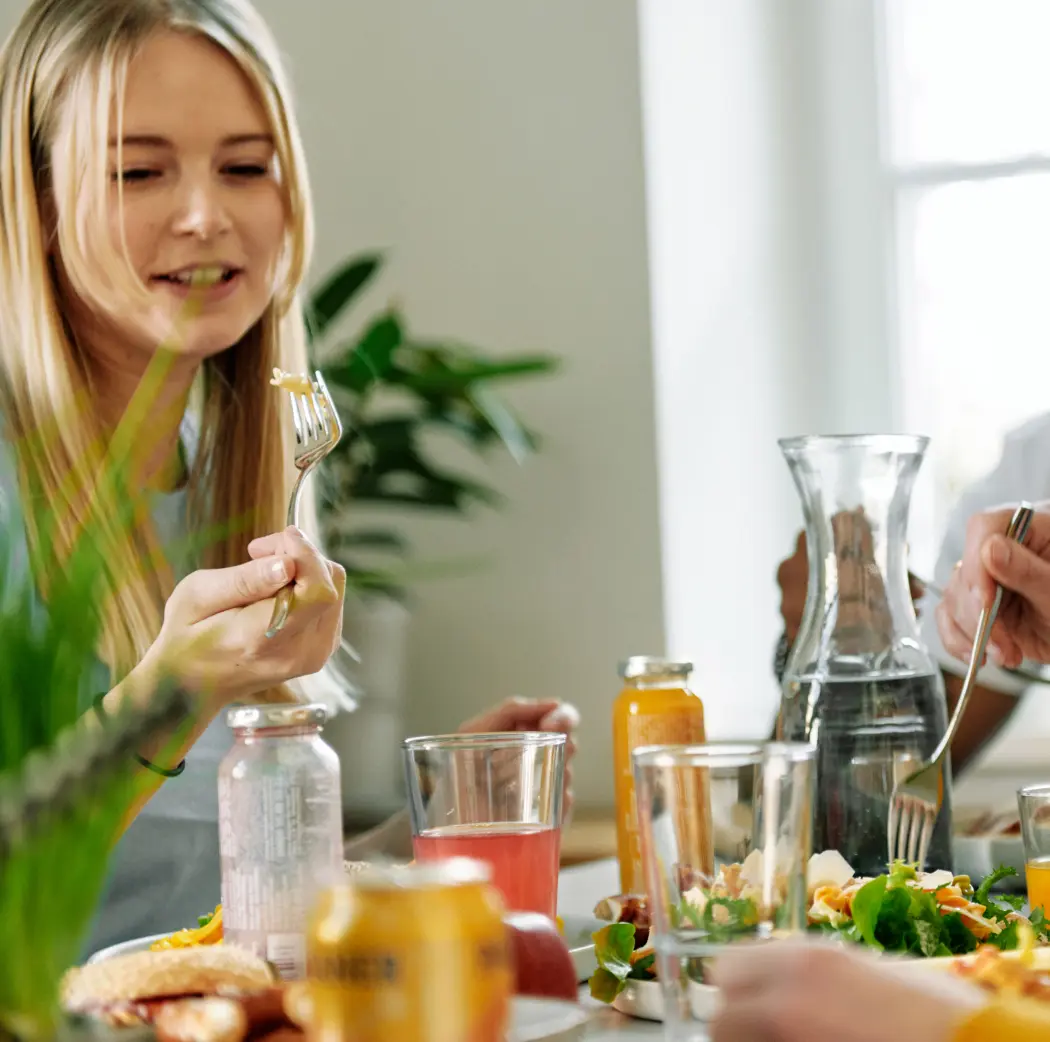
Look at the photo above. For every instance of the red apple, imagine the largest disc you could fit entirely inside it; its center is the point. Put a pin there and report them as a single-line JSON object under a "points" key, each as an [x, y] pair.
{"points": [[542, 963]]}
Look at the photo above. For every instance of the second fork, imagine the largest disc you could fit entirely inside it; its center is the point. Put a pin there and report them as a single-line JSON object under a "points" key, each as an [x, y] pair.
{"points": [[916, 801]]}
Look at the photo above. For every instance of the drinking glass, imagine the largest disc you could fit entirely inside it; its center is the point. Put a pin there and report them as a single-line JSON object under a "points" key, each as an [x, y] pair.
{"points": [[495, 797], [1033, 803], [726, 833]]}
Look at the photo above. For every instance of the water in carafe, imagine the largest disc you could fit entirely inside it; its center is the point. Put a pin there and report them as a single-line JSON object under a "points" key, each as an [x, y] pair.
{"points": [[859, 683]]}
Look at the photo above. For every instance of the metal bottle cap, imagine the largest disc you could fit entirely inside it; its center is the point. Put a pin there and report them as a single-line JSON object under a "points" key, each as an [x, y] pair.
{"points": [[638, 667], [266, 717]]}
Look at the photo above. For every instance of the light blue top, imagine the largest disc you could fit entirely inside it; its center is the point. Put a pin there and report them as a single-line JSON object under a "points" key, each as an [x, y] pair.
{"points": [[165, 870]]}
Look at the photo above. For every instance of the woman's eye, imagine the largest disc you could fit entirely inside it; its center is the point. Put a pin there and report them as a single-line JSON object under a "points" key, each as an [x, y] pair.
{"points": [[135, 173], [247, 169]]}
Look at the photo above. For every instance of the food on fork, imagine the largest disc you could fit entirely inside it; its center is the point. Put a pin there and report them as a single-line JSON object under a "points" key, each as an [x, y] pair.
{"points": [[294, 383]]}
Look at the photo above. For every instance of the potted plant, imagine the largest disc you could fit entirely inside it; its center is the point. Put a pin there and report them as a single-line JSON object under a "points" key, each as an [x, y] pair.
{"points": [[66, 785], [393, 389]]}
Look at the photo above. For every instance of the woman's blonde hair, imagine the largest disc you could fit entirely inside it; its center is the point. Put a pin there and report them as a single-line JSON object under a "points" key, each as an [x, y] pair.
{"points": [[60, 71]]}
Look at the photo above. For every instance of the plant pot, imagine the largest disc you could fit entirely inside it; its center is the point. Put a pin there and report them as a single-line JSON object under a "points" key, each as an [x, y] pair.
{"points": [[368, 740]]}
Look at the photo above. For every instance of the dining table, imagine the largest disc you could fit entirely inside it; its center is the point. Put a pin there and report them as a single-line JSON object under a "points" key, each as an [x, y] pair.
{"points": [[580, 888]]}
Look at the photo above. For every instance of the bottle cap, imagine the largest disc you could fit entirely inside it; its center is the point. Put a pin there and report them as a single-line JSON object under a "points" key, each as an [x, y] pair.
{"points": [[641, 666], [262, 718]]}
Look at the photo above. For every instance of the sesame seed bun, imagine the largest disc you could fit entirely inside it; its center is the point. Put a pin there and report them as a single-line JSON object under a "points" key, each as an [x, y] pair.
{"points": [[200, 970]]}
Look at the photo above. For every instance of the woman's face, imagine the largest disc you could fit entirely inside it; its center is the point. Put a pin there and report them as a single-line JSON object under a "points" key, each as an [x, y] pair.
{"points": [[200, 195]]}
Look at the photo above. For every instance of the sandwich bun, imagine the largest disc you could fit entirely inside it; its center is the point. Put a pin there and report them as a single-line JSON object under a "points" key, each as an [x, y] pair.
{"points": [[140, 976]]}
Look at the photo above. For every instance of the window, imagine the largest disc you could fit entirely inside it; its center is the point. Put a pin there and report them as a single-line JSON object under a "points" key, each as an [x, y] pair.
{"points": [[967, 152]]}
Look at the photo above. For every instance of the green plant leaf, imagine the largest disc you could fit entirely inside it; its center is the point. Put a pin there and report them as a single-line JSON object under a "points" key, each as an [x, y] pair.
{"points": [[370, 360], [368, 539], [503, 422], [336, 292]]}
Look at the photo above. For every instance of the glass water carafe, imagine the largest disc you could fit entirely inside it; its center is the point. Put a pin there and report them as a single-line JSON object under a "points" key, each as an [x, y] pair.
{"points": [[859, 683]]}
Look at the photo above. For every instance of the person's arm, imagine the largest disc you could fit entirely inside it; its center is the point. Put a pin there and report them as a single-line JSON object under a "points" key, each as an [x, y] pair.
{"points": [[168, 748], [986, 713], [1020, 474]]}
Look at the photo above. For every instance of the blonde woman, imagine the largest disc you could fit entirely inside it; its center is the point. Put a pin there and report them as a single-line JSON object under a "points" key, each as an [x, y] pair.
{"points": [[146, 145]]}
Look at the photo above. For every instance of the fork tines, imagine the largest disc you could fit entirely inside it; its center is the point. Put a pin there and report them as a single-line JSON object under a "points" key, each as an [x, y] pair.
{"points": [[310, 417]]}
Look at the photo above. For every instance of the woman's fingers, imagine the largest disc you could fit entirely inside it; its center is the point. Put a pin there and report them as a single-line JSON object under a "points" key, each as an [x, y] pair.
{"points": [[210, 591], [318, 581]]}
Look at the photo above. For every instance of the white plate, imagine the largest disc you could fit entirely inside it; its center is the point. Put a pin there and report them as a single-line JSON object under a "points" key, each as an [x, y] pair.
{"points": [[549, 1019], [578, 936], [644, 999], [531, 1020], [139, 944]]}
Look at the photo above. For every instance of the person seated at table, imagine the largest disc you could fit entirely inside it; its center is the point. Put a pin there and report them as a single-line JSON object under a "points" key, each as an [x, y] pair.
{"points": [[147, 144], [1023, 472]]}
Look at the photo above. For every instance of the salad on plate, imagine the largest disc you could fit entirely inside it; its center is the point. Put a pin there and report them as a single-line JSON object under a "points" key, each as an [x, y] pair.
{"points": [[904, 911]]}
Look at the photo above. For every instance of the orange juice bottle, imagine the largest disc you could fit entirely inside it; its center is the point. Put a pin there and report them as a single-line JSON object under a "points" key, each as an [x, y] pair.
{"points": [[655, 707], [1037, 876]]}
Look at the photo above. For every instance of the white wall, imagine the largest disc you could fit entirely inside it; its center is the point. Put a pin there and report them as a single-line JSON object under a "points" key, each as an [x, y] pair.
{"points": [[496, 149]]}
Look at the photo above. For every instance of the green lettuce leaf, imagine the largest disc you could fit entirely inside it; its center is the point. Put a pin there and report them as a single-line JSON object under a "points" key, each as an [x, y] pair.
{"points": [[1006, 940], [960, 940], [605, 986], [866, 906], [613, 947], [982, 896]]}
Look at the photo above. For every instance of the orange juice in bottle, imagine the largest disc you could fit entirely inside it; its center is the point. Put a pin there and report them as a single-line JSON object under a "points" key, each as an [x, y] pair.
{"points": [[655, 707], [1037, 876]]}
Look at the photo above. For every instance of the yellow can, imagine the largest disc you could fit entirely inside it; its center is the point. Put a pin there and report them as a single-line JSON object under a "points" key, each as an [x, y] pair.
{"points": [[410, 954]]}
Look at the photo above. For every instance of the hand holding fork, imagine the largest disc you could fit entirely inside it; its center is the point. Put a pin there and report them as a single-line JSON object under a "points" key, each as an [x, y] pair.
{"points": [[916, 800]]}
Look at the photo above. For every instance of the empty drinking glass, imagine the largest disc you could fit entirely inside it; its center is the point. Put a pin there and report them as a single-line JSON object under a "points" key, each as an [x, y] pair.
{"points": [[726, 835], [494, 797]]}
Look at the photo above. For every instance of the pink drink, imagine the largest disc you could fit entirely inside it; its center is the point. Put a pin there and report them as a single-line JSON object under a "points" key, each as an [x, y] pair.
{"points": [[524, 859]]}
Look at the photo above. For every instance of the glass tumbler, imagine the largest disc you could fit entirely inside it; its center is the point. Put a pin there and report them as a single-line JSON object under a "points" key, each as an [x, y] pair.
{"points": [[494, 797], [726, 837]]}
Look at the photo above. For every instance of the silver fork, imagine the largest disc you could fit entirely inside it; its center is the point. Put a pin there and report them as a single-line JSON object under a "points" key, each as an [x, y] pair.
{"points": [[317, 431], [917, 799]]}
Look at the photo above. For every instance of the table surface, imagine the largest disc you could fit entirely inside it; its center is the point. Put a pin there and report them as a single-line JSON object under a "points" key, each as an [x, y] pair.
{"points": [[580, 888]]}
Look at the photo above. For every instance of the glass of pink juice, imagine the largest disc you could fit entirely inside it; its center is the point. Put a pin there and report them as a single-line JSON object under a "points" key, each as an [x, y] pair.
{"points": [[496, 798]]}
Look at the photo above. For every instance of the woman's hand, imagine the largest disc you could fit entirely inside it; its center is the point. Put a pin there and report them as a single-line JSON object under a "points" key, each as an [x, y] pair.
{"points": [[797, 992], [213, 639], [1022, 628], [525, 714]]}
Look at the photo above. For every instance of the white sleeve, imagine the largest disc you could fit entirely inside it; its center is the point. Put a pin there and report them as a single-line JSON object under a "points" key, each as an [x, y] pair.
{"points": [[1023, 472]]}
